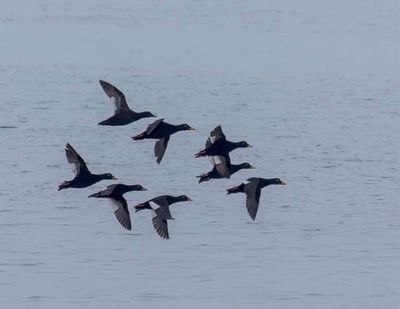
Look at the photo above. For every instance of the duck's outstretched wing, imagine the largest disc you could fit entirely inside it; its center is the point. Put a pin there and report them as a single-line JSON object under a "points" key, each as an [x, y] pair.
{"points": [[161, 213], [160, 148], [217, 134], [154, 125], [116, 96], [253, 193], [222, 164], [121, 212], [160, 225], [76, 161]]}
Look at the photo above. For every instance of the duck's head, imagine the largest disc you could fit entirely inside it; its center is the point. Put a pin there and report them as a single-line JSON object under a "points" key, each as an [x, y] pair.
{"points": [[246, 166], [243, 144], [109, 176], [185, 127], [148, 114], [183, 198], [137, 188], [276, 181]]}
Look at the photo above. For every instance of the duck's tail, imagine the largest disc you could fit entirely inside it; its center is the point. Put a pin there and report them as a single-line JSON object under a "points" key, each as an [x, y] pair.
{"points": [[236, 189], [64, 185], [200, 154], [139, 137], [203, 177], [140, 207]]}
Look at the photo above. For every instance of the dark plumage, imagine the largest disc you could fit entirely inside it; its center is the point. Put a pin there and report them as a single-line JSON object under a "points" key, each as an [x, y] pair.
{"points": [[160, 210], [83, 177], [222, 168], [252, 189], [218, 145], [162, 131], [115, 194], [123, 114]]}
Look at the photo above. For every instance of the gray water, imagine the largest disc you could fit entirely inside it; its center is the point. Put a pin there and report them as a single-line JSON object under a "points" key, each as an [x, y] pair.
{"points": [[313, 85]]}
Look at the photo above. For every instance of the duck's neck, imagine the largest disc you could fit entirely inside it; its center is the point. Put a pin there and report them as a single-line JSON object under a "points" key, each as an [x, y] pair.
{"points": [[179, 127], [236, 167], [172, 199], [233, 145], [144, 114], [265, 182], [126, 188]]}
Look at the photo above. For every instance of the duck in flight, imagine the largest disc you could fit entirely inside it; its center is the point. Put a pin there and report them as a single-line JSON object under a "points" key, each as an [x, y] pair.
{"points": [[218, 145], [162, 131], [222, 168], [252, 189], [83, 177], [123, 114], [115, 194], [159, 207]]}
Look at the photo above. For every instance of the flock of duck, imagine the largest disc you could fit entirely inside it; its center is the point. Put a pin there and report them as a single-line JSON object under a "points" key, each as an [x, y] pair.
{"points": [[217, 148]]}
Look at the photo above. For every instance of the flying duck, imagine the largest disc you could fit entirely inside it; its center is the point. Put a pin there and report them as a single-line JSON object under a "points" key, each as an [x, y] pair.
{"points": [[252, 189], [217, 144], [162, 131], [160, 210], [122, 114], [115, 194], [83, 177], [222, 168]]}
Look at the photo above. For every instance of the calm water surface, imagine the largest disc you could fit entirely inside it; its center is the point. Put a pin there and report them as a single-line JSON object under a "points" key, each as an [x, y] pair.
{"points": [[300, 83]]}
